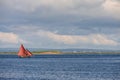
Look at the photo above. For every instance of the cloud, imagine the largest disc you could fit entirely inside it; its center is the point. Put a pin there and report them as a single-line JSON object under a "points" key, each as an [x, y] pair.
{"points": [[113, 7], [10, 38], [95, 39], [31, 5], [56, 7], [76, 8], [62, 22], [56, 12]]}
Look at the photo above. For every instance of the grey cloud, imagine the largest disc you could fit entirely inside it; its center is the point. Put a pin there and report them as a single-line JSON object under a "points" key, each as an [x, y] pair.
{"points": [[64, 17], [60, 13]]}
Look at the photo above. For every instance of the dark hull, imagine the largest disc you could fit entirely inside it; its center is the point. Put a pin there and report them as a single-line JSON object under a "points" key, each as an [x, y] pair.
{"points": [[24, 56]]}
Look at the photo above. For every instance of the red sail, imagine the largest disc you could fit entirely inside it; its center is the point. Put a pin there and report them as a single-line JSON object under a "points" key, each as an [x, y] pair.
{"points": [[22, 52], [28, 53]]}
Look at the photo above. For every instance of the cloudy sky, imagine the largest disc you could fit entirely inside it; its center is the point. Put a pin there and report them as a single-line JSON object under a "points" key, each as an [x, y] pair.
{"points": [[93, 24]]}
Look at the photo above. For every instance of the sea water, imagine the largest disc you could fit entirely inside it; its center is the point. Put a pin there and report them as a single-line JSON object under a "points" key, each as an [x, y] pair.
{"points": [[60, 67]]}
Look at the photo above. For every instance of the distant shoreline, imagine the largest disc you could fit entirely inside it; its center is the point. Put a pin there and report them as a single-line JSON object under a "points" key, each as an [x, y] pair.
{"points": [[59, 52]]}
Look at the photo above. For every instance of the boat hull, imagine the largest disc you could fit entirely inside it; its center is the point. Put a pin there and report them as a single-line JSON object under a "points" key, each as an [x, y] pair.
{"points": [[24, 56]]}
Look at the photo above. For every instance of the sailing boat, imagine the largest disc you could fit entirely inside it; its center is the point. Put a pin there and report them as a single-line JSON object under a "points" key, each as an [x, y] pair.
{"points": [[23, 53]]}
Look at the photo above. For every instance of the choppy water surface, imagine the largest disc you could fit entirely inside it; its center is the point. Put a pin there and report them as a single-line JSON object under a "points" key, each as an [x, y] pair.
{"points": [[60, 67]]}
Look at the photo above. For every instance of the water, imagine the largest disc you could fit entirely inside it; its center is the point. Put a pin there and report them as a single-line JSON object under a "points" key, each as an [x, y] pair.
{"points": [[60, 67]]}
